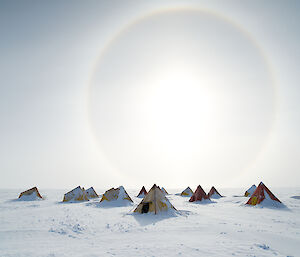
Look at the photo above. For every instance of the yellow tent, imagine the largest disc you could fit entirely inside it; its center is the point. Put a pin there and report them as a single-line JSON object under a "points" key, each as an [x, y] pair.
{"points": [[91, 193], [32, 193], [77, 194], [115, 194], [187, 192], [155, 201]]}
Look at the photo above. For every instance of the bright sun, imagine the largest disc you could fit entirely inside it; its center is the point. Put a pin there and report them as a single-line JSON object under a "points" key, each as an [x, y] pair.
{"points": [[181, 108]]}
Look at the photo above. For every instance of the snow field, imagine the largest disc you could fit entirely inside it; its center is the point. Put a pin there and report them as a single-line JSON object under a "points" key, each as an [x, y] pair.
{"points": [[223, 227]]}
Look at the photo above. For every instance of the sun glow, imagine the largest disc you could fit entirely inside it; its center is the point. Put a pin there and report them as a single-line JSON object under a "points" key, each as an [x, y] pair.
{"points": [[165, 100], [182, 109]]}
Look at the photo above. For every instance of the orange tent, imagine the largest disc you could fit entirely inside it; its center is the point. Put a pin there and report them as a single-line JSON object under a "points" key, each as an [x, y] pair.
{"points": [[142, 193], [260, 194], [199, 195], [31, 191], [214, 193]]}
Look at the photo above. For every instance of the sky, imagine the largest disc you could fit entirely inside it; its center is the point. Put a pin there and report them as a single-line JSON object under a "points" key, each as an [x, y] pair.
{"points": [[178, 93]]}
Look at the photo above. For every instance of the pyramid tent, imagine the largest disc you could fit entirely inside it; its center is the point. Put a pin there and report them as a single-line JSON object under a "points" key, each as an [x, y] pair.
{"points": [[116, 194], [261, 194], [160, 189], [30, 194], [250, 191], [187, 192], [199, 195], [91, 193], [213, 193], [155, 201], [77, 194], [164, 191], [142, 193]]}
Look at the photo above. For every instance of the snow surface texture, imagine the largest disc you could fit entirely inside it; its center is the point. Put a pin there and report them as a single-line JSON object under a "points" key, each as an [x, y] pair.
{"points": [[225, 227]]}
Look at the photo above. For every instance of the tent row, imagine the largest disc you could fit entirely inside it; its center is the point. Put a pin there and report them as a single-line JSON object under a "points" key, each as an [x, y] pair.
{"points": [[213, 193], [155, 200], [143, 192]]}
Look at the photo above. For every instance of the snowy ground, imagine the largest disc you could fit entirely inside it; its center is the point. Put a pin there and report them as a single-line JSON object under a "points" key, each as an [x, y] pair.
{"points": [[225, 227]]}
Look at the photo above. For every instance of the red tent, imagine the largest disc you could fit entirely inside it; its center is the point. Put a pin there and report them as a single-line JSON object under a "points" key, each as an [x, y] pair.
{"points": [[199, 195], [260, 194], [143, 192], [215, 192]]}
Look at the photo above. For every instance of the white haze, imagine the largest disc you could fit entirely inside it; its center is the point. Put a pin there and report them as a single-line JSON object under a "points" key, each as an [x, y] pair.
{"points": [[178, 99]]}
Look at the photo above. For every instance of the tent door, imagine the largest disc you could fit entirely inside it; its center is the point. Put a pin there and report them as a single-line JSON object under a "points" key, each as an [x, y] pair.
{"points": [[145, 208]]}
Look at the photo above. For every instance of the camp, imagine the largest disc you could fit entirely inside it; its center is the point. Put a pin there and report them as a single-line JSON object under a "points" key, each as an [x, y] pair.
{"points": [[213, 193], [76, 195], [250, 191], [164, 191], [91, 193], [154, 202], [262, 194], [187, 192], [142, 193], [199, 195], [116, 194], [30, 194]]}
